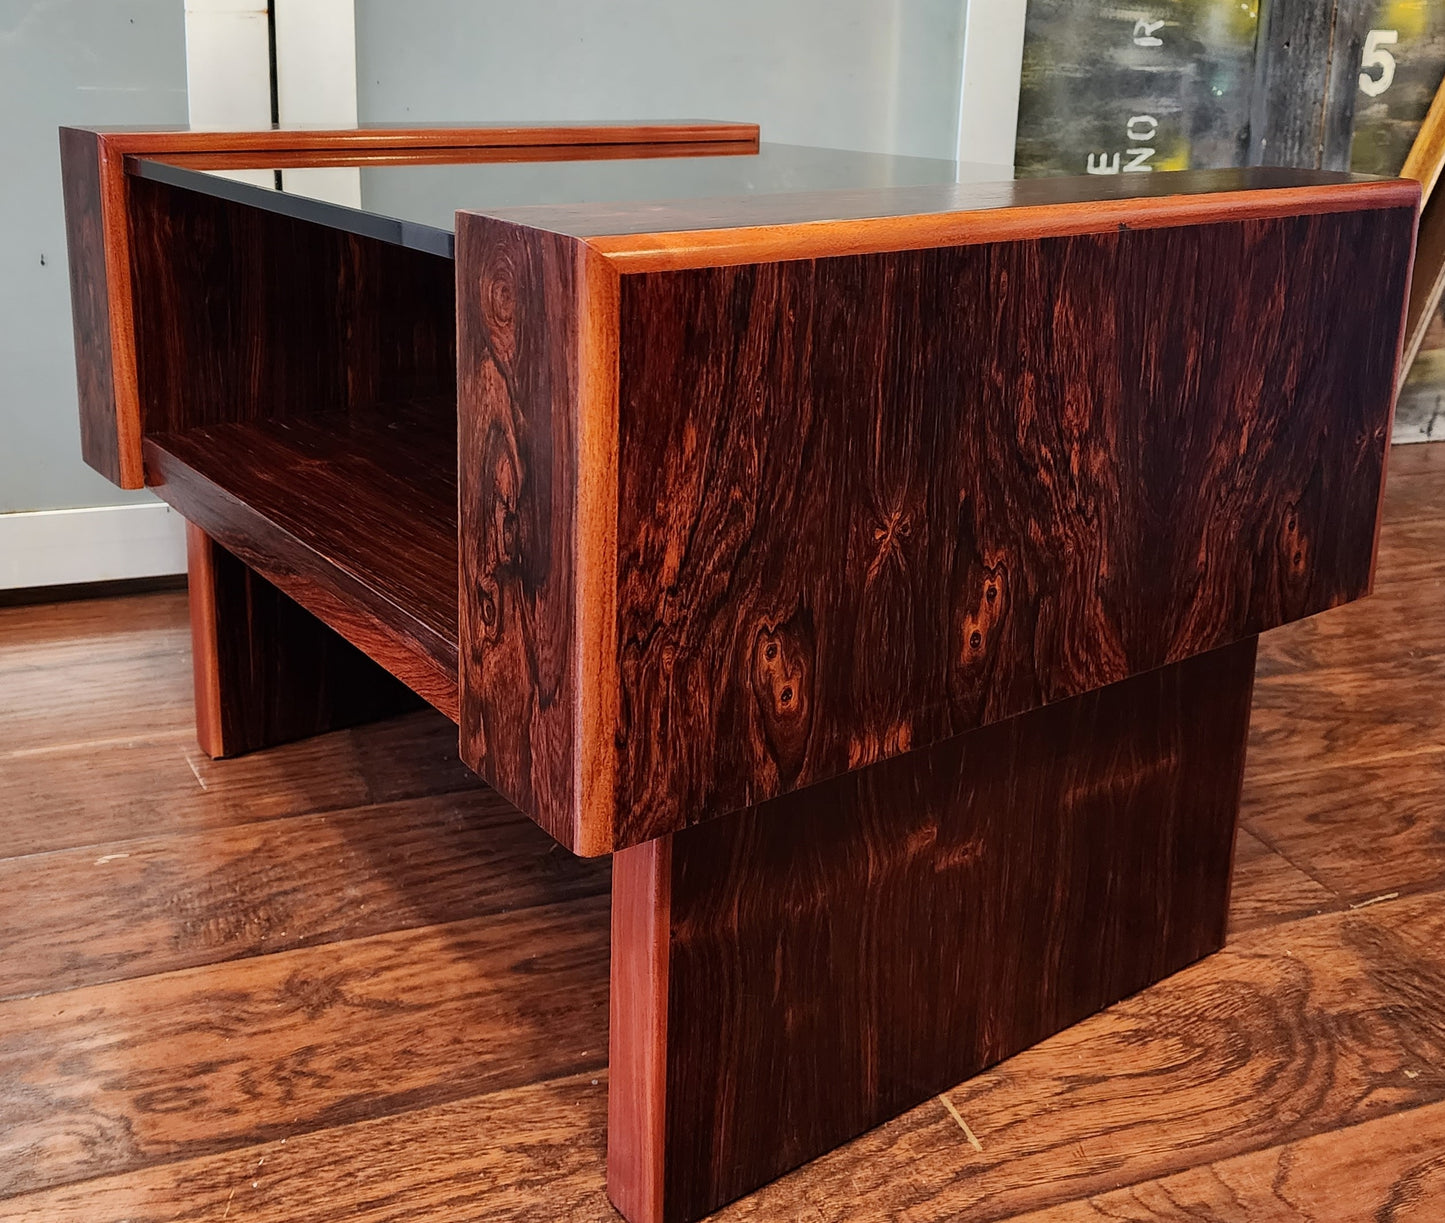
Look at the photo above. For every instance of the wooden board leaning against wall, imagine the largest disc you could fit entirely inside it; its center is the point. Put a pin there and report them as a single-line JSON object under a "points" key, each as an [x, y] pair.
{"points": [[1194, 84]]}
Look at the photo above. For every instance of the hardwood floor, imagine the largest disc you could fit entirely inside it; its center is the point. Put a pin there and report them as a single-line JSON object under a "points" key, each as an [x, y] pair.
{"points": [[343, 980]]}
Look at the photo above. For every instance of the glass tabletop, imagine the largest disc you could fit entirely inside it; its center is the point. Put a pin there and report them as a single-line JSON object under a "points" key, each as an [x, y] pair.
{"points": [[414, 203], [411, 199]]}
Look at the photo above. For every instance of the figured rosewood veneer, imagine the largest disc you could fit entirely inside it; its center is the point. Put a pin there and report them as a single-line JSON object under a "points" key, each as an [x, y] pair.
{"points": [[749, 504]]}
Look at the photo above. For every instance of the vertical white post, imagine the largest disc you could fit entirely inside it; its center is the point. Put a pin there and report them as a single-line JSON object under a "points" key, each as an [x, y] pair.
{"points": [[988, 96], [228, 64], [228, 70], [316, 85], [316, 62]]}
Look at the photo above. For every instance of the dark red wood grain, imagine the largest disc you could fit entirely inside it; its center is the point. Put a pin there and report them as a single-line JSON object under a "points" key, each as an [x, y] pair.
{"points": [[98, 200], [418, 138], [243, 315], [298, 392], [535, 716], [353, 515], [517, 455], [267, 671], [90, 299], [868, 503], [822, 962]]}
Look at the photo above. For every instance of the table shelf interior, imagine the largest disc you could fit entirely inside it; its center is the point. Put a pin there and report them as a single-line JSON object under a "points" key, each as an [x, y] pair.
{"points": [[298, 387], [360, 506]]}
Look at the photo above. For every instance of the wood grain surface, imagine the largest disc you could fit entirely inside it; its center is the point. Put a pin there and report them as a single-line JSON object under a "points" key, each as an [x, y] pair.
{"points": [[299, 393], [1268, 887], [829, 555], [1292, 1049], [1404, 698], [443, 1012], [351, 515], [266, 670], [142, 905], [422, 136], [160, 782], [348, 155], [536, 463], [244, 315], [90, 305], [639, 1159], [1305, 1028], [101, 216], [822, 962], [1384, 1169], [1307, 70], [58, 677], [1416, 492], [790, 440]]}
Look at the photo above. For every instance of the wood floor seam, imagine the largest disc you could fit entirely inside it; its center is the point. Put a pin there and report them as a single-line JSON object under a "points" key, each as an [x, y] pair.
{"points": [[257, 824], [1248, 825]]}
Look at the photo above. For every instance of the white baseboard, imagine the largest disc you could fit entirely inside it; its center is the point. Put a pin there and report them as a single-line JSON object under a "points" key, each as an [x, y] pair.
{"points": [[109, 544]]}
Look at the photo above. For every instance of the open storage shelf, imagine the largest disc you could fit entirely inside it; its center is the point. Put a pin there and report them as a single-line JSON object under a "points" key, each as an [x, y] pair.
{"points": [[358, 514], [298, 400]]}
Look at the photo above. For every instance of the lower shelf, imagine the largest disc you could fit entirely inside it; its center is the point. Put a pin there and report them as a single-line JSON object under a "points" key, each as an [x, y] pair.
{"points": [[354, 515]]}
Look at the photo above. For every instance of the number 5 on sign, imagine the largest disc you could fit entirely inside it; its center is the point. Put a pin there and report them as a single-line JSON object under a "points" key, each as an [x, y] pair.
{"points": [[1377, 57]]}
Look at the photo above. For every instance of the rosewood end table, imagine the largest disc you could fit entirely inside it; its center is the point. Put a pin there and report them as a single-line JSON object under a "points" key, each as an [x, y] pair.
{"points": [[870, 561]]}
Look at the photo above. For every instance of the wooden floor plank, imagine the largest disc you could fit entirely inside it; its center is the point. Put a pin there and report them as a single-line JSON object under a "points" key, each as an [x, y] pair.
{"points": [[1268, 888], [1415, 485], [142, 694], [1419, 920], [93, 669], [1400, 621], [66, 794], [527, 1154], [124, 1075], [1346, 715], [134, 908], [1409, 550], [1390, 1169], [59, 634], [1293, 1031], [1362, 829], [258, 1017]]}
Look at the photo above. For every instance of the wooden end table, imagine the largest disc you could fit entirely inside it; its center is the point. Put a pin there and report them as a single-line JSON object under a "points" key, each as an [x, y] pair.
{"points": [[871, 561]]}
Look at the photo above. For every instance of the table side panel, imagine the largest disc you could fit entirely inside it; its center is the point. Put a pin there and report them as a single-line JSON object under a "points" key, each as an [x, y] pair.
{"points": [[843, 953], [519, 409], [83, 186], [867, 503]]}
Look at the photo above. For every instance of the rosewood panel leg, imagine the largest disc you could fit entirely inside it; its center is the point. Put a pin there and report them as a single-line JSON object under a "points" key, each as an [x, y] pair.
{"points": [[266, 670], [788, 977]]}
